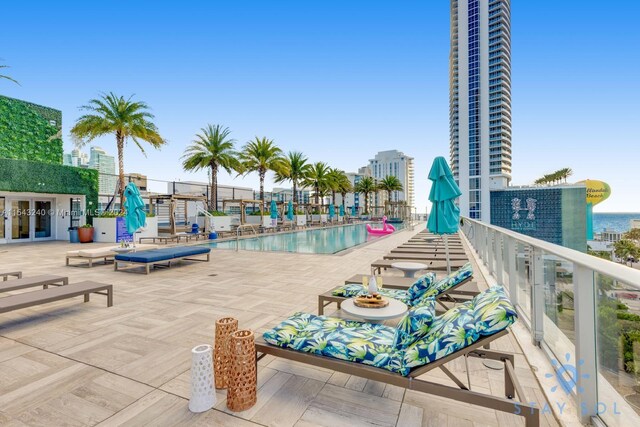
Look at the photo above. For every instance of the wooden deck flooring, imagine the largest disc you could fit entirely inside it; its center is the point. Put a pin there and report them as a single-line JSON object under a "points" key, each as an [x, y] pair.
{"points": [[76, 364]]}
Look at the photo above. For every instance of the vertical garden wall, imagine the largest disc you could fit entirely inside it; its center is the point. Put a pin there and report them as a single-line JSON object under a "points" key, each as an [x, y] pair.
{"points": [[29, 131]]}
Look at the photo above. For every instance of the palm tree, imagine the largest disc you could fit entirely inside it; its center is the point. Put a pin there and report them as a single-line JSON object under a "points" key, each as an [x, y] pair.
{"points": [[390, 183], [333, 182], [2, 76], [113, 114], [318, 178], [296, 171], [213, 149], [366, 186], [262, 155], [344, 186]]}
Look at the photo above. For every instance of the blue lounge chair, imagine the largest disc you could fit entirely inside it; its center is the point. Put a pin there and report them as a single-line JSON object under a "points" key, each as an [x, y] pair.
{"points": [[164, 256]]}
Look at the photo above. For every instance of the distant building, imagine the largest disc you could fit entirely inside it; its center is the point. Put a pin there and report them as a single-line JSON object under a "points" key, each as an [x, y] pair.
{"points": [[555, 214], [106, 166], [285, 194], [352, 198], [480, 101], [608, 235], [398, 164], [635, 223], [76, 158]]}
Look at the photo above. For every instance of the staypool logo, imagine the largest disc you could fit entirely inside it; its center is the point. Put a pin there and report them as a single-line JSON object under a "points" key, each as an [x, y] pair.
{"points": [[567, 374]]}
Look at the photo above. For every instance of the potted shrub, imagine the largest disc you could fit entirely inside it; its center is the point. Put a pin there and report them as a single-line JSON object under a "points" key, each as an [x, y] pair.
{"points": [[221, 222], [85, 233], [300, 219]]}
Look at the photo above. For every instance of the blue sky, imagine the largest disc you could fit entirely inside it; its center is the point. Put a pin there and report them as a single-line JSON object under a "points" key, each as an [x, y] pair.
{"points": [[338, 80]]}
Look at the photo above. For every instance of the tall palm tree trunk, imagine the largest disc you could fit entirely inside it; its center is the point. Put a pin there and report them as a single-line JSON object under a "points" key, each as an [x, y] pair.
{"points": [[213, 197], [317, 197], [295, 191], [262, 173], [120, 145]]}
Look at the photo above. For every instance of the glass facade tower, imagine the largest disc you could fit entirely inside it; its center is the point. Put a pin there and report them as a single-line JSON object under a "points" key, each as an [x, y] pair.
{"points": [[480, 101]]}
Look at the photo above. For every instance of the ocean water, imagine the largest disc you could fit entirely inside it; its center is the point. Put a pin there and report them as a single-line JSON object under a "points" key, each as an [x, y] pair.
{"points": [[620, 222]]}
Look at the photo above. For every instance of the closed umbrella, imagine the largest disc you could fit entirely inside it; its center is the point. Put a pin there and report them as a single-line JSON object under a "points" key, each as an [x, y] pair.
{"points": [[274, 213], [341, 210], [136, 217], [290, 211], [332, 211], [444, 217], [353, 210]]}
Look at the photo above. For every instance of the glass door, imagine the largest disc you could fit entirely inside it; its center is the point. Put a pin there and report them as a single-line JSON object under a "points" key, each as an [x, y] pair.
{"points": [[42, 215], [2, 218], [20, 220]]}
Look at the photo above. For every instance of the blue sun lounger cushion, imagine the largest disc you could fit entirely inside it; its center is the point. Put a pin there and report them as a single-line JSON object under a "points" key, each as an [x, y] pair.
{"points": [[492, 311], [448, 282], [420, 286], [415, 324]]}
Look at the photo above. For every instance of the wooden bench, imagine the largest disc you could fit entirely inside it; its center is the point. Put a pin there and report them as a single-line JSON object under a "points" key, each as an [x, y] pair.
{"points": [[44, 296], [5, 275], [29, 282]]}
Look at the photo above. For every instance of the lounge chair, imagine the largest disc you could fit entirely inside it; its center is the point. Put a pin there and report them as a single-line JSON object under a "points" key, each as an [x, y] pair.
{"points": [[425, 250], [43, 280], [105, 254], [423, 287], [420, 344], [163, 257], [438, 265], [44, 296], [6, 274]]}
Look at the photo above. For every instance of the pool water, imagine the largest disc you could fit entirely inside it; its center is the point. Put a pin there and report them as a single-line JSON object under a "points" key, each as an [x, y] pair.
{"points": [[320, 241]]}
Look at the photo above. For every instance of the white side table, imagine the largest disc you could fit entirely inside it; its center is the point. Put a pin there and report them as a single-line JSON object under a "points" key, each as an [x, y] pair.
{"points": [[394, 309], [409, 268]]}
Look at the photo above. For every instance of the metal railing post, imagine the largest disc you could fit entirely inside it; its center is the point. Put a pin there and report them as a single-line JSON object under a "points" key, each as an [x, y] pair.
{"points": [[585, 342], [499, 259], [490, 251], [510, 254], [537, 296]]}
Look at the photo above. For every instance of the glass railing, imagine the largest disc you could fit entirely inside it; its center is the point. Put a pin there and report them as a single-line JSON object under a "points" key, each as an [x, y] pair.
{"points": [[583, 311]]}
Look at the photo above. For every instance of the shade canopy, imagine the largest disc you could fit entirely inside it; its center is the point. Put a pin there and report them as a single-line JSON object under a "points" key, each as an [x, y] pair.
{"points": [[135, 217], [444, 217], [332, 211], [274, 210], [290, 210], [341, 210]]}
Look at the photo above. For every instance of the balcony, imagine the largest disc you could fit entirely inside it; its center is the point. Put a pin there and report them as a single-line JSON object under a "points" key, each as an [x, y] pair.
{"points": [[581, 316]]}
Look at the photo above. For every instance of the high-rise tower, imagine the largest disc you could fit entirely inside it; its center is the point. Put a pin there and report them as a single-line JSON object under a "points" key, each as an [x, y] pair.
{"points": [[480, 101]]}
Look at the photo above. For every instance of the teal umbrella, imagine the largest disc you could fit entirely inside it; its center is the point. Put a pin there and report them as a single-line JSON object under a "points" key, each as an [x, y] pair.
{"points": [[136, 217], [332, 211], [274, 210], [290, 211], [444, 217], [353, 210], [341, 210]]}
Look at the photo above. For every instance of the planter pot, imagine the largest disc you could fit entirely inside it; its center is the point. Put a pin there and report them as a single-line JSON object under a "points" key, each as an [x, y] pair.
{"points": [[106, 230], [221, 223], [268, 222], [319, 218], [301, 220], [85, 234], [254, 219]]}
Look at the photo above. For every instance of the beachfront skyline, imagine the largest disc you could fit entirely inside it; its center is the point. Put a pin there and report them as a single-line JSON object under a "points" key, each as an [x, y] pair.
{"points": [[326, 80]]}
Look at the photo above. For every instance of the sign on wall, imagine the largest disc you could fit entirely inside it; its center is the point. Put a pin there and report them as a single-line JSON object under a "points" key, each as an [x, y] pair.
{"points": [[121, 230]]}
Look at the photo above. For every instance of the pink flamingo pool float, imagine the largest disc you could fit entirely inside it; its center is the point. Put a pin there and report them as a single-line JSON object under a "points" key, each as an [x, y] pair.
{"points": [[386, 228]]}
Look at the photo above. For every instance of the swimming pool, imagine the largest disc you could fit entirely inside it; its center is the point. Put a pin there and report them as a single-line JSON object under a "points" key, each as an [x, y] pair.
{"points": [[319, 241]]}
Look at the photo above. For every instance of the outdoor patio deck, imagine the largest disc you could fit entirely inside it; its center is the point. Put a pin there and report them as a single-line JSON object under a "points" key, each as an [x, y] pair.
{"points": [[84, 364]]}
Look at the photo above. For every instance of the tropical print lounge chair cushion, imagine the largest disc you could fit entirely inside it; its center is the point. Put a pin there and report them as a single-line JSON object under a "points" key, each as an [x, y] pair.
{"points": [[367, 343], [374, 344], [352, 290], [420, 286], [415, 324], [492, 311], [449, 281], [486, 314]]}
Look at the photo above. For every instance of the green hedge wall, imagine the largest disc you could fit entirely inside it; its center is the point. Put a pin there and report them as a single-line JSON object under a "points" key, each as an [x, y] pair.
{"points": [[25, 130], [37, 177]]}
